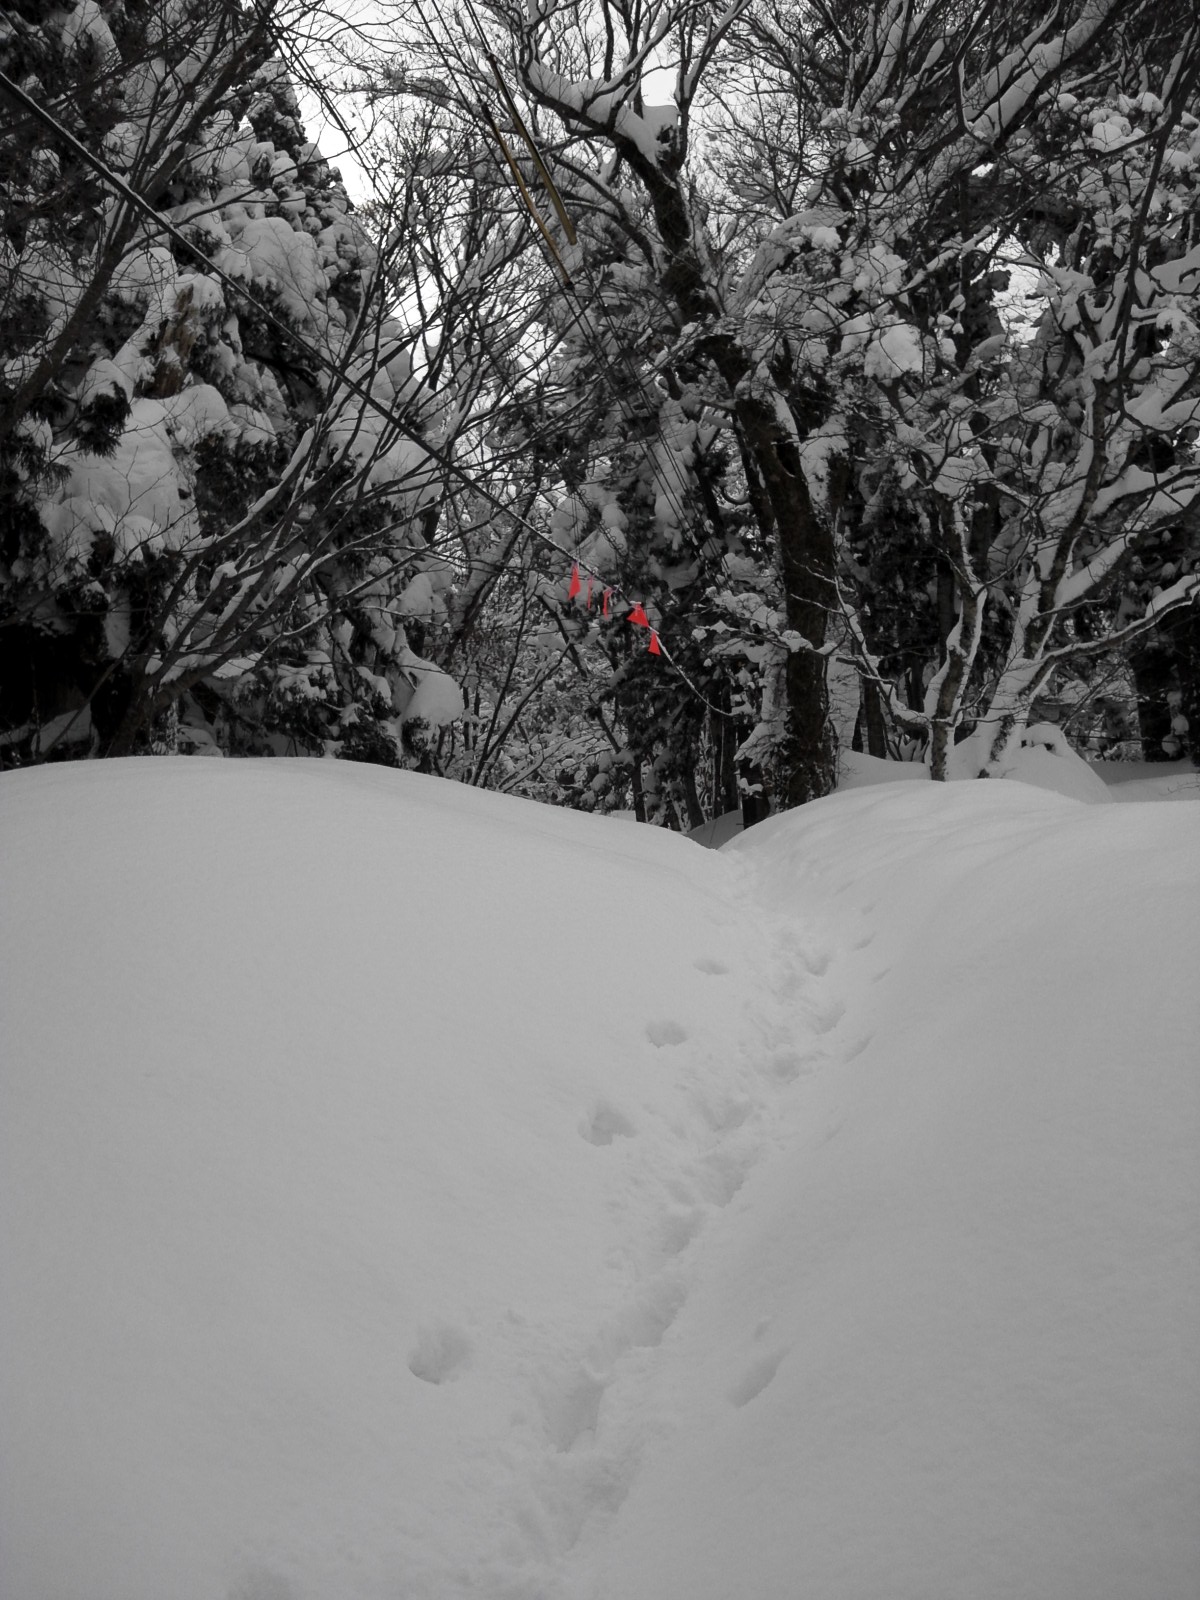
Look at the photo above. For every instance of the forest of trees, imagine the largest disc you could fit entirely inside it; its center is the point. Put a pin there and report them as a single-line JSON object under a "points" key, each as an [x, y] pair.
{"points": [[698, 387]]}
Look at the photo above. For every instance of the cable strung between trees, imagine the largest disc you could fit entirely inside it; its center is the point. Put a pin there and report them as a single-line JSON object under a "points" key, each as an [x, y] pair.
{"points": [[578, 316], [164, 225]]}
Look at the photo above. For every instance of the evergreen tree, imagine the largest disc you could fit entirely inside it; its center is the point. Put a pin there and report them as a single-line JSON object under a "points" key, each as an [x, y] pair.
{"points": [[212, 540]]}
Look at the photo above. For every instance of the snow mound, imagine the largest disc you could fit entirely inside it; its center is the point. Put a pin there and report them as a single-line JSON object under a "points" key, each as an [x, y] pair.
{"points": [[354, 1124], [1046, 760], [1150, 780], [413, 1192], [1043, 759], [857, 770]]}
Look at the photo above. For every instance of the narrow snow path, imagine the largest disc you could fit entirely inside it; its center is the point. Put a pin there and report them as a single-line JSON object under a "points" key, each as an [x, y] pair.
{"points": [[947, 1345], [370, 1126], [602, 1400], [414, 1194]]}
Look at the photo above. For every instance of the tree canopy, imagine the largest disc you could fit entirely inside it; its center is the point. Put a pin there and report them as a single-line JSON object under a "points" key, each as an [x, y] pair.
{"points": [[846, 355]]}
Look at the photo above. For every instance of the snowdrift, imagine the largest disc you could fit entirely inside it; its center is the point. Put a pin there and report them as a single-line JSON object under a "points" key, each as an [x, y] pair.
{"points": [[414, 1193]]}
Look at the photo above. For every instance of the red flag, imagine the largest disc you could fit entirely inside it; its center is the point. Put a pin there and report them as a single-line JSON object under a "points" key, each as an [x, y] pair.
{"points": [[575, 583], [604, 602], [638, 616], [654, 646]]}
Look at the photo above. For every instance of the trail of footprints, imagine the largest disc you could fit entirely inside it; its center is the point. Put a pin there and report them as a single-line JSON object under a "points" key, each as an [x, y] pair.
{"points": [[731, 1141], [712, 1168]]}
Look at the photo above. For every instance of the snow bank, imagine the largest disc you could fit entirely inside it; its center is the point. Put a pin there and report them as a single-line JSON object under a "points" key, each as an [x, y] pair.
{"points": [[1150, 780], [353, 1125], [415, 1192], [857, 770], [1043, 759], [947, 1345]]}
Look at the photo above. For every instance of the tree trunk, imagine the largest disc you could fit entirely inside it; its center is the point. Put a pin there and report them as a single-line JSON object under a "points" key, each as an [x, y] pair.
{"points": [[1165, 678], [874, 720], [639, 798], [695, 811], [804, 761]]}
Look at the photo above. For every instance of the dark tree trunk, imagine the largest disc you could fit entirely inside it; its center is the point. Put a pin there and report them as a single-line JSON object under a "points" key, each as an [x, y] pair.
{"points": [[806, 761], [874, 720], [726, 798], [804, 764], [639, 798], [1166, 676], [695, 811], [754, 809]]}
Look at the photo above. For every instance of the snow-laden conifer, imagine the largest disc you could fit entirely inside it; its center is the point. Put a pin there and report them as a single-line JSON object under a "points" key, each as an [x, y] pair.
{"points": [[214, 467]]}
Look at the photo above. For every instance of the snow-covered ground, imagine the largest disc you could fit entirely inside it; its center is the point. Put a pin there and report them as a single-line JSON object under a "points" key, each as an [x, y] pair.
{"points": [[416, 1194]]}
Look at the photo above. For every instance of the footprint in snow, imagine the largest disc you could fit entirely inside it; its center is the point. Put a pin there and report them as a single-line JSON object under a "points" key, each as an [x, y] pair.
{"points": [[604, 1123], [725, 1114], [441, 1354], [709, 964], [722, 1173], [260, 1583], [756, 1378], [787, 984], [788, 1065], [825, 1021], [678, 1228], [665, 1032], [641, 1324], [571, 1407]]}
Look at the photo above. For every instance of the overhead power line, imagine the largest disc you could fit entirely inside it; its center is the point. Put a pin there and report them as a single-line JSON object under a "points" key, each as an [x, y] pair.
{"points": [[575, 307], [116, 183]]}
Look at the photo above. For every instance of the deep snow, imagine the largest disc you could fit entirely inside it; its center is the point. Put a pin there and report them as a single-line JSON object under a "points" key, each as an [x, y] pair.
{"points": [[411, 1194]]}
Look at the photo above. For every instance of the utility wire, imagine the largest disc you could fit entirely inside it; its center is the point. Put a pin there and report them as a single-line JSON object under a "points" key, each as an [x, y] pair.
{"points": [[577, 311], [164, 225], [576, 307]]}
